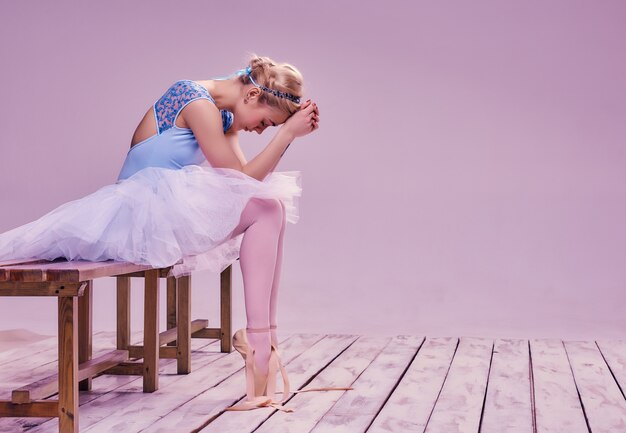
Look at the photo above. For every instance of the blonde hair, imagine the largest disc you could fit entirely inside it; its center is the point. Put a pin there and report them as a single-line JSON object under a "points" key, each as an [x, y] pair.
{"points": [[283, 77]]}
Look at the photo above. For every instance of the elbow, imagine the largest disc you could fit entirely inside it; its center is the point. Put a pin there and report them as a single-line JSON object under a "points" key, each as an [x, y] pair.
{"points": [[231, 165], [246, 169]]}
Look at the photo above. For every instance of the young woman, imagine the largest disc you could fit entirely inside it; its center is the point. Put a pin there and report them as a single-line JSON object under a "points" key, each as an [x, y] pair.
{"points": [[199, 120], [186, 197]]}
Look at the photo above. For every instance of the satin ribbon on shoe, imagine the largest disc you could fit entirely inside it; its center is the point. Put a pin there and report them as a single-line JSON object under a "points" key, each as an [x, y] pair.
{"points": [[253, 401], [286, 388]]}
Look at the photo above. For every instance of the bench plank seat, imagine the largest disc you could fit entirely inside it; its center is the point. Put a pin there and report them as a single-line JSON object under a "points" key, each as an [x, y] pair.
{"points": [[68, 271]]}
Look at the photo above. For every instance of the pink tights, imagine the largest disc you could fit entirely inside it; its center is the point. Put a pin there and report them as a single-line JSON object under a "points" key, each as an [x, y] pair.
{"points": [[260, 259]]}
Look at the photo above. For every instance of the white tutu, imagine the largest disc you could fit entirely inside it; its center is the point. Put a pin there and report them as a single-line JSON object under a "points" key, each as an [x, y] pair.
{"points": [[157, 216]]}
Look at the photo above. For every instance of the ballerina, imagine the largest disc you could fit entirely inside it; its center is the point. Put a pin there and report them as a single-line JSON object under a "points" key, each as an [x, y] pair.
{"points": [[187, 198]]}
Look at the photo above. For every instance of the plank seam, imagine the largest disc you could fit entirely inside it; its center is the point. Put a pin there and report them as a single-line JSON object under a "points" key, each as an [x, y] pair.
{"points": [[456, 348], [610, 370], [393, 389], [381, 351], [309, 381], [482, 409], [531, 375], [582, 405]]}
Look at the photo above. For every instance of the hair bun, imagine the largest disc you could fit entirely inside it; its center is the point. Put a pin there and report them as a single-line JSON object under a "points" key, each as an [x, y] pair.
{"points": [[279, 79]]}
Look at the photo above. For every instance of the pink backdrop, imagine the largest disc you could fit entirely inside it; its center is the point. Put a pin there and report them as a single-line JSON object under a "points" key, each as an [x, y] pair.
{"points": [[467, 178]]}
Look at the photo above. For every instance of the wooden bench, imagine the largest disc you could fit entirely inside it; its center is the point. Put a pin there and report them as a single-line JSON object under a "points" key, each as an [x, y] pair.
{"points": [[72, 283]]}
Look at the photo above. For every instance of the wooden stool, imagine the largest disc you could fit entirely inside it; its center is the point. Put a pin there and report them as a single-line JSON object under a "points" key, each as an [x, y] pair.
{"points": [[72, 283], [180, 327]]}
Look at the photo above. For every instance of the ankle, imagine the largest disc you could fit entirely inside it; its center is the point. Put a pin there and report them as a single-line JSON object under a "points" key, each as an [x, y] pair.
{"points": [[273, 336], [260, 343]]}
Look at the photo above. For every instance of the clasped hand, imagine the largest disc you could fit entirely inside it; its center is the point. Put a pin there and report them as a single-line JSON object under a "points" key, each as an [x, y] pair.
{"points": [[305, 120]]}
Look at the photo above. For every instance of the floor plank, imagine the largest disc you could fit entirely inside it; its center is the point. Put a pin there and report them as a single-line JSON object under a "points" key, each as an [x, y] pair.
{"points": [[412, 401], [19, 375], [508, 406], [614, 353], [21, 371], [117, 392], [93, 404], [19, 350], [305, 357], [148, 408], [459, 406], [341, 372], [355, 410], [401, 384], [557, 406], [603, 403]]}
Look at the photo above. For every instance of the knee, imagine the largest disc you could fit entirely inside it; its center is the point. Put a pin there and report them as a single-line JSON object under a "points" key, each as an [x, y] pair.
{"points": [[282, 208], [270, 208]]}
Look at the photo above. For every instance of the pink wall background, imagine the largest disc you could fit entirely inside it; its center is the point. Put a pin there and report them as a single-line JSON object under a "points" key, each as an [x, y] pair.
{"points": [[467, 178]]}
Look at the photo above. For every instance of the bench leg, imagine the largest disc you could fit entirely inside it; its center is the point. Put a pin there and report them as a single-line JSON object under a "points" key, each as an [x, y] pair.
{"points": [[123, 312], [85, 328], [171, 306], [151, 331], [183, 339], [68, 364], [226, 281]]}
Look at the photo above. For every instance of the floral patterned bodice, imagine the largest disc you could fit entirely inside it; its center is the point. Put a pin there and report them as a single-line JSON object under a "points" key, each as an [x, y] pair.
{"points": [[182, 92], [172, 146]]}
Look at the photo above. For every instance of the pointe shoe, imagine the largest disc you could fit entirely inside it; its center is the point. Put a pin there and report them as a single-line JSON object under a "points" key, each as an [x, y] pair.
{"points": [[270, 390], [255, 380], [241, 345], [257, 384]]}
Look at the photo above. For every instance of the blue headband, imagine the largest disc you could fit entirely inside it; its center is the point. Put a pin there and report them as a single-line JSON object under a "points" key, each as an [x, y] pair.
{"points": [[248, 71]]}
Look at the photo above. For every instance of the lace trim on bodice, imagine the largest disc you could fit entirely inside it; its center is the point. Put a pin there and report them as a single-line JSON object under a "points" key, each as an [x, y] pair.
{"points": [[182, 92]]}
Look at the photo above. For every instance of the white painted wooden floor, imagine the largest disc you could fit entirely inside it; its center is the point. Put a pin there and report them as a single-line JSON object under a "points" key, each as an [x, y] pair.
{"points": [[401, 384]]}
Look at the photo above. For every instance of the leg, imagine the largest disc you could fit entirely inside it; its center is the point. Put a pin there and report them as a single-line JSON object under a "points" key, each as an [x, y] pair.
{"points": [[183, 322], [85, 329], [276, 282], [151, 331], [172, 290], [123, 312], [261, 220], [68, 363]]}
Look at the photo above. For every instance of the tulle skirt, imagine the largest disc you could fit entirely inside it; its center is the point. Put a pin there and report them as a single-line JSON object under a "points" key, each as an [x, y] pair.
{"points": [[158, 216]]}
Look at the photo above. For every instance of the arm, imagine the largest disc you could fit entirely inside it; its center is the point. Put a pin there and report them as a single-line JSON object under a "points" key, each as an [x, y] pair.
{"points": [[232, 137], [264, 163], [205, 121], [281, 155], [233, 140]]}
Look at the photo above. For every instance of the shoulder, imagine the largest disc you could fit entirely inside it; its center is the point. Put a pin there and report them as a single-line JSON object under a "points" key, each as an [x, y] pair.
{"points": [[184, 91], [201, 110], [183, 94], [185, 86]]}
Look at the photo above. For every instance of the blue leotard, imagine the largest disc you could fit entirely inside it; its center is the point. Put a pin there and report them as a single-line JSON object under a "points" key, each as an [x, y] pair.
{"points": [[172, 146]]}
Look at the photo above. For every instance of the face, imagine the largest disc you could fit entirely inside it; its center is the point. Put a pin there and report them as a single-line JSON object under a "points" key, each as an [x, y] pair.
{"points": [[256, 117]]}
